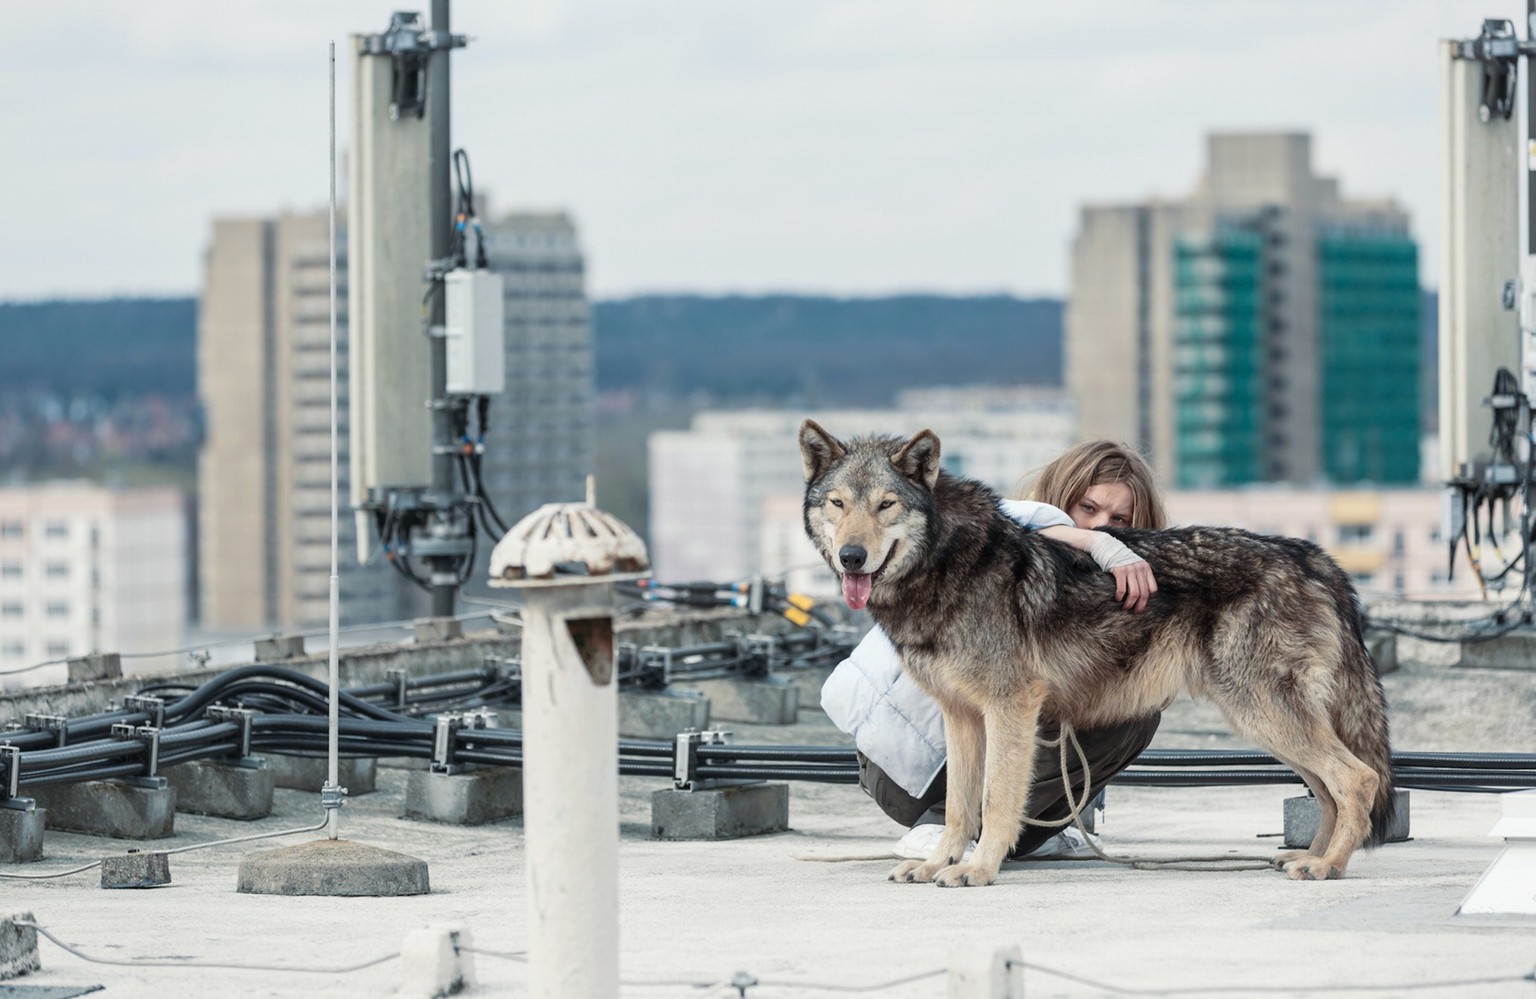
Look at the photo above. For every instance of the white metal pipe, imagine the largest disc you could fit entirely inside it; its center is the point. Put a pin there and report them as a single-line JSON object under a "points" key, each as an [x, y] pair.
{"points": [[333, 819], [570, 790]]}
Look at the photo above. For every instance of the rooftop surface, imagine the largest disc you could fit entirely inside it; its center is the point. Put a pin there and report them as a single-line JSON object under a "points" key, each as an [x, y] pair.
{"points": [[695, 913]]}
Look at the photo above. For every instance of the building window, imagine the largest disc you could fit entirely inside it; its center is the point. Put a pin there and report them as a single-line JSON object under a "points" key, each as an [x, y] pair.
{"points": [[1355, 534], [12, 609], [1399, 583], [57, 648], [15, 650], [1399, 542], [1363, 579], [57, 570], [10, 570], [10, 530], [57, 608], [56, 529]]}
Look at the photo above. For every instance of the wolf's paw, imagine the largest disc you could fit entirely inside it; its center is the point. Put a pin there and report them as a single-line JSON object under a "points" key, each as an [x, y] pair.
{"points": [[911, 871], [1310, 868], [965, 876], [1286, 856]]}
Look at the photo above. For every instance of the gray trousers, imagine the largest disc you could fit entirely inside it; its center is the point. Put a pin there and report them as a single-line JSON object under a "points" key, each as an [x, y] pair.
{"points": [[1109, 748]]}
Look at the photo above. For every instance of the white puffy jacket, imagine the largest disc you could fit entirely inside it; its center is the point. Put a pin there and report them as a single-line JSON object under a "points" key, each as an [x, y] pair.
{"points": [[892, 720]]}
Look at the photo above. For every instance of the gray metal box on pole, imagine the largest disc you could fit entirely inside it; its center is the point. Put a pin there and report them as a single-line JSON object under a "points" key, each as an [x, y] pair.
{"points": [[388, 223], [474, 332]]}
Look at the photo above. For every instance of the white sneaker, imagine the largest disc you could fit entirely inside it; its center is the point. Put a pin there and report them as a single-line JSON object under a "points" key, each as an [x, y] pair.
{"points": [[1070, 842], [920, 842]]}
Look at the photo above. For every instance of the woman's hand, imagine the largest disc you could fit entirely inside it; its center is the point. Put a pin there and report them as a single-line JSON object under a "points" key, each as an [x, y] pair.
{"points": [[1134, 581], [1134, 584]]}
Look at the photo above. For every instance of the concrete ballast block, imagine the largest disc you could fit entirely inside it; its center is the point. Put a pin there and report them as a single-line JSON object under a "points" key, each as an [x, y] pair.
{"points": [[18, 946], [774, 701], [1302, 815], [470, 798], [1516, 650], [645, 714], [21, 835], [109, 808], [229, 791], [309, 773], [279, 647], [96, 666], [334, 867], [150, 869], [721, 812], [986, 973], [436, 961]]}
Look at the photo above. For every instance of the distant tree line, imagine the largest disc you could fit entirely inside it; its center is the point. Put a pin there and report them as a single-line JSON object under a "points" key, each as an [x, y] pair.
{"points": [[800, 348]]}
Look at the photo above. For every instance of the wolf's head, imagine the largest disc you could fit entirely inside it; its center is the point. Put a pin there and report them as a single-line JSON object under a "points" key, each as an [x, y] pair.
{"points": [[868, 503]]}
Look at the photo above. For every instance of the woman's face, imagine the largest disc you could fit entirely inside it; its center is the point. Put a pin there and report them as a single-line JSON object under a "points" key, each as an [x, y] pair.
{"points": [[1108, 504]]}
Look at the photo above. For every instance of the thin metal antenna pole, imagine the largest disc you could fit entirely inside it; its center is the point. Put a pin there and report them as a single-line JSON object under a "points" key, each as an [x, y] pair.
{"points": [[334, 781]]}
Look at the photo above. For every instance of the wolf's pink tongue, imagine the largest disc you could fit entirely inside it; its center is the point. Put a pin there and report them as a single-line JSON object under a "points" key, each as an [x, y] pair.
{"points": [[856, 587]]}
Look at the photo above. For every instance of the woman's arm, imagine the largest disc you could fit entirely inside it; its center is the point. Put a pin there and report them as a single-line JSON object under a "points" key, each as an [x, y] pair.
{"points": [[1134, 582]]}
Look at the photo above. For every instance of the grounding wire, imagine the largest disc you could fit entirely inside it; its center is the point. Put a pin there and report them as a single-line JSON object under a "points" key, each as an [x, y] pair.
{"points": [[180, 849], [1271, 989], [224, 965]]}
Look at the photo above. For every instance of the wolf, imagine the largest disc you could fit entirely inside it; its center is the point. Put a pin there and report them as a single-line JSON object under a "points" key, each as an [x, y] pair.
{"points": [[1006, 629]]}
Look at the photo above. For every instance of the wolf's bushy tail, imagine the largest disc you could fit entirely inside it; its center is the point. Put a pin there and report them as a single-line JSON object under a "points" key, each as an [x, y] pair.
{"points": [[1360, 716]]}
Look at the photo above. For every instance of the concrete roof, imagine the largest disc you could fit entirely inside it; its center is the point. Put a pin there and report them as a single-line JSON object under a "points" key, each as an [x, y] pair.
{"points": [[699, 912]]}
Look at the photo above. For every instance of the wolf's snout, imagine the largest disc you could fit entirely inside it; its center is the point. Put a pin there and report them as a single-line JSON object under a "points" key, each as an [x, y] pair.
{"points": [[852, 557]]}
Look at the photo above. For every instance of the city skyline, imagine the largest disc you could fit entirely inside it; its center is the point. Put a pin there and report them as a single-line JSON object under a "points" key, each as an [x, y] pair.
{"points": [[839, 147]]}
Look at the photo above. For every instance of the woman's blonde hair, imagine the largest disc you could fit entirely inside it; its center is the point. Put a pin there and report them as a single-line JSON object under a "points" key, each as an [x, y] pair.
{"points": [[1093, 463]]}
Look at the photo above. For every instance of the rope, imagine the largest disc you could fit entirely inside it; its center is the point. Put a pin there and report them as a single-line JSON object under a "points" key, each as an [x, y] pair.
{"points": [[1075, 805]]}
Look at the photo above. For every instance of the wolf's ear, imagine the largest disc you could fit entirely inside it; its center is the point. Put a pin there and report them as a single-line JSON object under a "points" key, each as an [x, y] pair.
{"points": [[819, 450], [918, 458]]}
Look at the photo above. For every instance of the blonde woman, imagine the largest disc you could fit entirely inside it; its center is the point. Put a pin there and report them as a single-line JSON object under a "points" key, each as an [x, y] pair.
{"points": [[899, 730]]}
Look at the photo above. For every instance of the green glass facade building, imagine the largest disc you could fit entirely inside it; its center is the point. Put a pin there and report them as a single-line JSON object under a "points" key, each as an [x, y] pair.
{"points": [[1217, 351], [1368, 332], [1367, 326]]}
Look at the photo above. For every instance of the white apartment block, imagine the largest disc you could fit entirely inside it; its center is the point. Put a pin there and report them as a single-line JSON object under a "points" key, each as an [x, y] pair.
{"points": [[725, 495], [1389, 540], [84, 568]]}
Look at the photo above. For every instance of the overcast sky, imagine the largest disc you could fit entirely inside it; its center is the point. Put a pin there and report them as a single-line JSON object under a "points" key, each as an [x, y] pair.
{"points": [[844, 146]]}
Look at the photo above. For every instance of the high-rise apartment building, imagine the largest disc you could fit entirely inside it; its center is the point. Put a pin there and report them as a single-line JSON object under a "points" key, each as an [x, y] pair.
{"points": [[1262, 329], [84, 568], [264, 474], [264, 378], [540, 444]]}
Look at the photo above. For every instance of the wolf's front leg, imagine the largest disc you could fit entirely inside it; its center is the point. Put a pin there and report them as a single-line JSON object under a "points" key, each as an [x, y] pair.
{"points": [[1008, 774], [964, 744]]}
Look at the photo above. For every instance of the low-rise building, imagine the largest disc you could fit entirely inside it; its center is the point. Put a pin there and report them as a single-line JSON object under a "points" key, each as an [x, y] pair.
{"points": [[85, 568]]}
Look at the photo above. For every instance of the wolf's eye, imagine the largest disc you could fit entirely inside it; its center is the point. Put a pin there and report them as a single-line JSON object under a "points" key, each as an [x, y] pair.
{"points": [[887, 504], [836, 502]]}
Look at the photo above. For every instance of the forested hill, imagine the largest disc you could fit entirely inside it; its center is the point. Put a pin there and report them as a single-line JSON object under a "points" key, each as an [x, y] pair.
{"points": [[854, 351], [105, 347], [824, 351]]}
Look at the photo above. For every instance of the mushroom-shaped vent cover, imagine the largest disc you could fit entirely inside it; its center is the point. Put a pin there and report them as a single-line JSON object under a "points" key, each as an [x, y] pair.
{"points": [[567, 539]]}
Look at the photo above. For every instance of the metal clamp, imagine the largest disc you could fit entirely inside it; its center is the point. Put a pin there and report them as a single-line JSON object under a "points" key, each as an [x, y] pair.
{"points": [[57, 724], [149, 736], [685, 760], [401, 679], [760, 651], [656, 660], [10, 780], [150, 705], [332, 796], [445, 736], [243, 717]]}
